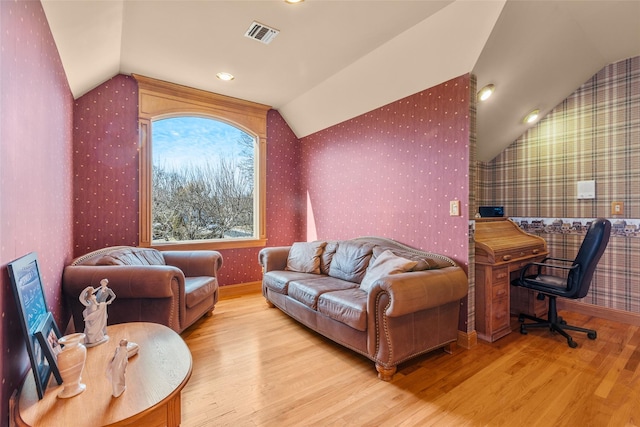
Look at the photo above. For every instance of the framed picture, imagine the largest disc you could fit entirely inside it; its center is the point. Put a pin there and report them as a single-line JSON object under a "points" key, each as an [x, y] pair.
{"points": [[26, 283], [48, 335]]}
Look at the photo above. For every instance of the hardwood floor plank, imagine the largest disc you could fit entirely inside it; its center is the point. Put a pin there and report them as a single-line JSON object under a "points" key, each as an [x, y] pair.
{"points": [[255, 366]]}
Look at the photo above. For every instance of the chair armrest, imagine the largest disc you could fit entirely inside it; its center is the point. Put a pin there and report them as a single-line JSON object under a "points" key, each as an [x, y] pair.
{"points": [[274, 258], [540, 265], [139, 281], [419, 290], [195, 263], [544, 261]]}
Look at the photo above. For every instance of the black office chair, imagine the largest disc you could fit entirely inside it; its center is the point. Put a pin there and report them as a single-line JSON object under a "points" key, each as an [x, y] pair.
{"points": [[574, 283]]}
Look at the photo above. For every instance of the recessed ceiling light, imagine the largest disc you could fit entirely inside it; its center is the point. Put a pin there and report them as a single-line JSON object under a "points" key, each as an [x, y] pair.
{"points": [[293, 1], [225, 77], [532, 116], [486, 92]]}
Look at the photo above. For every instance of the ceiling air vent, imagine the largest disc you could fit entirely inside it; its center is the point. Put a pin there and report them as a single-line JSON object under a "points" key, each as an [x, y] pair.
{"points": [[261, 32]]}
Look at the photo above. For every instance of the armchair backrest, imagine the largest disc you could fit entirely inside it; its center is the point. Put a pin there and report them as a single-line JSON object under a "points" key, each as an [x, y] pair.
{"points": [[592, 248], [121, 255]]}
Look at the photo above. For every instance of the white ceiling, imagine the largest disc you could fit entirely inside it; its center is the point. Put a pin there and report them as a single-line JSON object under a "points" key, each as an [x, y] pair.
{"points": [[334, 60]]}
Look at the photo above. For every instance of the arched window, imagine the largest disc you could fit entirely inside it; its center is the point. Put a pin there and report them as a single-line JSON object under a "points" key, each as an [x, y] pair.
{"points": [[202, 180], [202, 168]]}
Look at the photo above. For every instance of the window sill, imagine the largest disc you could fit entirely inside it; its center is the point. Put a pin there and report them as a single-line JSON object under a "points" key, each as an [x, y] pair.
{"points": [[210, 245]]}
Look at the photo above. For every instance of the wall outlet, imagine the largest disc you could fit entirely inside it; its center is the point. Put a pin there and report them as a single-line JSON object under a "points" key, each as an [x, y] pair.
{"points": [[617, 208], [454, 208]]}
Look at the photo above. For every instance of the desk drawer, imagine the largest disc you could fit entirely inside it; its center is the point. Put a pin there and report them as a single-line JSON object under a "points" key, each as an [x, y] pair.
{"points": [[500, 317], [518, 253], [498, 292], [500, 276]]}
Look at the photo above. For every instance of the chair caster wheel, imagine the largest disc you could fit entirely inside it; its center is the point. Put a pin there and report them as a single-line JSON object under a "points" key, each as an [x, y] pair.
{"points": [[572, 343], [592, 335], [523, 331]]}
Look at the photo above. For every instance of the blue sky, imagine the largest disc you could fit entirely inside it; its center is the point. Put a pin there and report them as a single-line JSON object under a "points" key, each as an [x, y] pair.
{"points": [[179, 141]]}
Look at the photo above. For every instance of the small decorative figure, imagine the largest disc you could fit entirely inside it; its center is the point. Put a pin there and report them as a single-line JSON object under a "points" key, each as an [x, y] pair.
{"points": [[132, 349], [105, 294], [117, 367], [95, 318]]}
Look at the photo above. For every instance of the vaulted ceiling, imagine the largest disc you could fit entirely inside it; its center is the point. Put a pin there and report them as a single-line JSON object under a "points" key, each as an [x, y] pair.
{"points": [[334, 60]]}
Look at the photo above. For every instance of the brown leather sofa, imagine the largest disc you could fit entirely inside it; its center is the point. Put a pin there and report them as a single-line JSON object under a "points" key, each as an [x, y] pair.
{"points": [[378, 297], [173, 288]]}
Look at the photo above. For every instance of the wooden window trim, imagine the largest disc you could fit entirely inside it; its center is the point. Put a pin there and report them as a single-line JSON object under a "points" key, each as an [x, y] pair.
{"points": [[158, 99]]}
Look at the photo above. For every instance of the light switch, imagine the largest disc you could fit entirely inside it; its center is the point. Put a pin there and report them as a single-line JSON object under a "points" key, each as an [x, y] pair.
{"points": [[454, 208]]}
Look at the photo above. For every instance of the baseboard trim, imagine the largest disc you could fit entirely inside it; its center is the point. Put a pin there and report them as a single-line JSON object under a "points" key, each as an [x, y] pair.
{"points": [[467, 340], [238, 290], [601, 312]]}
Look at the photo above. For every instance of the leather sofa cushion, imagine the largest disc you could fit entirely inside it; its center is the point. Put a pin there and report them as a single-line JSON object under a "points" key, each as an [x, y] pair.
{"points": [[132, 256], [308, 291], [197, 289], [304, 257], [348, 306], [278, 280], [385, 264], [327, 256], [351, 260]]}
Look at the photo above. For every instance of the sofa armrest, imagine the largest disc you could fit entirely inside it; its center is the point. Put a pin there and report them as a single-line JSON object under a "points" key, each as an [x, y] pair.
{"points": [[136, 281], [419, 290], [195, 263], [274, 258]]}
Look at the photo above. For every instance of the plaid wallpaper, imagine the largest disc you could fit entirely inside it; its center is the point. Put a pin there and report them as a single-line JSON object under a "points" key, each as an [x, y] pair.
{"points": [[468, 322], [594, 134]]}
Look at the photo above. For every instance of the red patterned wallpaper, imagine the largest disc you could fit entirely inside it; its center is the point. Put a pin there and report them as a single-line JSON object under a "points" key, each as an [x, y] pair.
{"points": [[285, 208], [105, 168], [35, 173], [391, 172], [106, 178]]}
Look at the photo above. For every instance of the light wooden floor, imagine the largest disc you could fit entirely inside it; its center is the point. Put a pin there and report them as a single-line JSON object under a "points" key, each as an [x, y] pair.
{"points": [[254, 366]]}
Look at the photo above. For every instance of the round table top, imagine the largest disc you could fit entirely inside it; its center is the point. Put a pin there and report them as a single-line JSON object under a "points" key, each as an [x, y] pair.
{"points": [[161, 369]]}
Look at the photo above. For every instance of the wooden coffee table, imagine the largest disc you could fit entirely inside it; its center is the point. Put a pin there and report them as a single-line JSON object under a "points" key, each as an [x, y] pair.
{"points": [[155, 378]]}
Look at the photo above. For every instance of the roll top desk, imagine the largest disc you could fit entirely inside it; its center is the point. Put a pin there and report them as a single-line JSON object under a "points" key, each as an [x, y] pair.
{"points": [[502, 250]]}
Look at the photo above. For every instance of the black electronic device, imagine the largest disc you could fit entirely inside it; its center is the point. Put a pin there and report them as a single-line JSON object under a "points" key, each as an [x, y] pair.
{"points": [[491, 211]]}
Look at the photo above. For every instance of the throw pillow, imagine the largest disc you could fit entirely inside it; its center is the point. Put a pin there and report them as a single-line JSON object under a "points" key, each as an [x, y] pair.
{"points": [[385, 264], [304, 257], [132, 256], [327, 256], [351, 260]]}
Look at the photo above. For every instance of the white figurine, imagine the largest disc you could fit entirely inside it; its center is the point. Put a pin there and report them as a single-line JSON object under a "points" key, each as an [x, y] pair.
{"points": [[132, 349], [105, 295], [117, 367], [95, 318]]}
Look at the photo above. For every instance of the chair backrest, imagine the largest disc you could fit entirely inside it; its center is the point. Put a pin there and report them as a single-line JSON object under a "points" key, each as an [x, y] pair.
{"points": [[592, 248]]}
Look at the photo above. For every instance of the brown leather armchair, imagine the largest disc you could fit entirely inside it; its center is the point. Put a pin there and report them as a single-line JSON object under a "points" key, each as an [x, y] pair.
{"points": [[173, 288]]}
